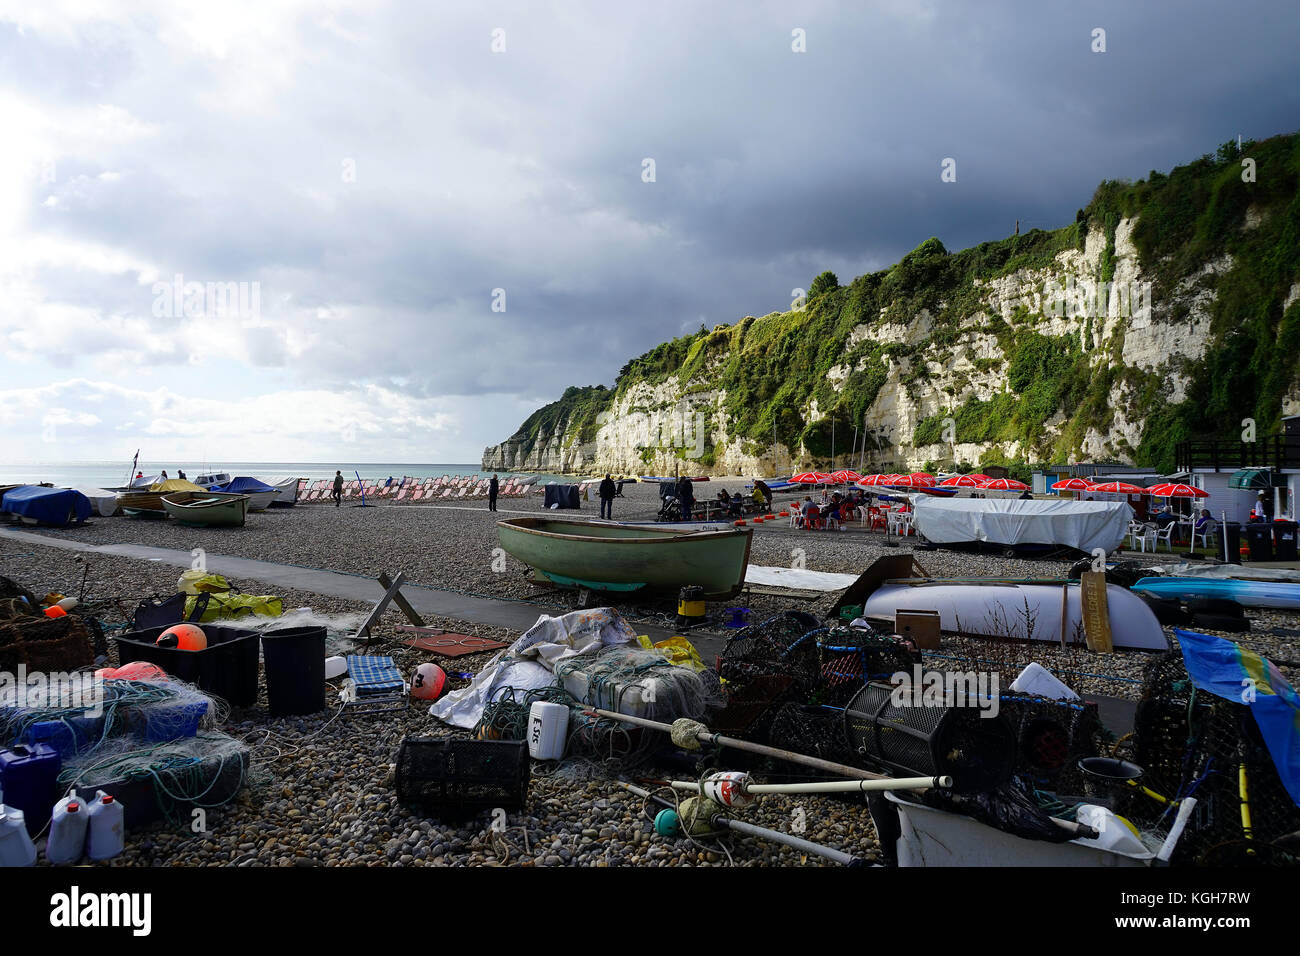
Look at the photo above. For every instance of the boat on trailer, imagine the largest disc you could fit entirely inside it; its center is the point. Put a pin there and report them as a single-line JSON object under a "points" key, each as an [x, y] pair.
{"points": [[605, 556]]}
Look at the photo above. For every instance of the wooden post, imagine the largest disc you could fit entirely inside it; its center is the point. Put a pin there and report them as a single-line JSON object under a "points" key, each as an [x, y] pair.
{"points": [[401, 601], [1096, 616]]}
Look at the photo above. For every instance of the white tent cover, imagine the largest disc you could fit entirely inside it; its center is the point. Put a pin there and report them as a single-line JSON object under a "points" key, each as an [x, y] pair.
{"points": [[1077, 524]]}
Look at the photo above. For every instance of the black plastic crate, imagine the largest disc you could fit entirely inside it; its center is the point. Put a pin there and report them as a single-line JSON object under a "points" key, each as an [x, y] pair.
{"points": [[447, 778], [227, 668], [143, 802]]}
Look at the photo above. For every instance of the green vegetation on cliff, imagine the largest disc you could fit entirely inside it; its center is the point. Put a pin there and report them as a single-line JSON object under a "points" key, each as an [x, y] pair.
{"points": [[772, 368]]}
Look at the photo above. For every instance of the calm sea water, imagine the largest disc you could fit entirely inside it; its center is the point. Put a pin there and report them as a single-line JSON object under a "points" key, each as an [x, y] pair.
{"points": [[109, 474]]}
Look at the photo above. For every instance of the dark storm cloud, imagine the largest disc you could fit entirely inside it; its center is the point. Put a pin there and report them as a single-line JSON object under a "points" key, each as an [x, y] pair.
{"points": [[523, 170]]}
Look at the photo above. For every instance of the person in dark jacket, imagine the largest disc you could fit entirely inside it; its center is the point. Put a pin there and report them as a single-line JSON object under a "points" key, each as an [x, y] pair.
{"points": [[686, 495], [493, 486], [338, 488], [607, 492]]}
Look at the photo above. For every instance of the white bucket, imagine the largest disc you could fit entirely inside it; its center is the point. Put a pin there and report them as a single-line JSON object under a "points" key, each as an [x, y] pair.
{"points": [[548, 725]]}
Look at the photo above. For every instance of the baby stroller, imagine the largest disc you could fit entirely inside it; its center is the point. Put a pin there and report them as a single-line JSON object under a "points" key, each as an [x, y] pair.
{"points": [[670, 509]]}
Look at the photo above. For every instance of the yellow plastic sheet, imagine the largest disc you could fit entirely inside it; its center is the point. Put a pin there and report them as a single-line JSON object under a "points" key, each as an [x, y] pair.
{"points": [[677, 649], [224, 606]]}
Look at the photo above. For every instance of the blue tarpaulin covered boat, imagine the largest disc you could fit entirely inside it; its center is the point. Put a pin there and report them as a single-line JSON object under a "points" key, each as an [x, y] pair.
{"points": [[56, 506], [260, 494]]}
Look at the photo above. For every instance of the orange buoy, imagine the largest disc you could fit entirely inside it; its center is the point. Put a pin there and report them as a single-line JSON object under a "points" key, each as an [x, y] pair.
{"points": [[740, 523], [55, 611], [136, 670], [428, 682], [183, 637]]}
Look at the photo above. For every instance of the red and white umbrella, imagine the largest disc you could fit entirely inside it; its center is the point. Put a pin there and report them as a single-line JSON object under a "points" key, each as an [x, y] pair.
{"points": [[1119, 488], [811, 478], [888, 479], [870, 480], [1074, 484], [960, 481], [978, 476], [917, 479], [1003, 484], [844, 476], [1177, 490]]}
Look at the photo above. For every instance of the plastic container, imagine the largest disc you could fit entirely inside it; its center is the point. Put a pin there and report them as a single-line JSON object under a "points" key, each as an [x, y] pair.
{"points": [[1284, 540], [335, 667], [67, 842], [68, 736], [548, 725], [1106, 779], [295, 670], [105, 838], [16, 846], [1259, 538], [28, 774], [226, 668], [1232, 530], [457, 778]]}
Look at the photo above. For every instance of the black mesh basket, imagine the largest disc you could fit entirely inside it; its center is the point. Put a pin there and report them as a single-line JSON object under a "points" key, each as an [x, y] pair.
{"points": [[814, 730], [764, 666], [448, 778], [979, 752], [850, 657], [1053, 736]]}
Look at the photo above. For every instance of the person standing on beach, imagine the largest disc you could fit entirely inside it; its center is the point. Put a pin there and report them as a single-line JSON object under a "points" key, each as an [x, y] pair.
{"points": [[493, 486], [686, 495], [338, 488], [607, 493]]}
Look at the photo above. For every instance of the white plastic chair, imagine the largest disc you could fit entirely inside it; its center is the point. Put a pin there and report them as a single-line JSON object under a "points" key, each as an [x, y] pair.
{"points": [[1206, 532], [1167, 536]]}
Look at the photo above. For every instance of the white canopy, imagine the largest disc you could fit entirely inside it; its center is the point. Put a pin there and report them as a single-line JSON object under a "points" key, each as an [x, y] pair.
{"points": [[1077, 524], [102, 500]]}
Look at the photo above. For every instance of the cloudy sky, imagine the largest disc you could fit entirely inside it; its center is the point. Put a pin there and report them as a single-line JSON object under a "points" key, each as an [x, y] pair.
{"points": [[277, 229]]}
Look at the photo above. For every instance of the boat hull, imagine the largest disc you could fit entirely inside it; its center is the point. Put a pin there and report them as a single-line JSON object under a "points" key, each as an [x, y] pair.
{"points": [[613, 557], [1272, 594], [207, 510], [1020, 611], [288, 493]]}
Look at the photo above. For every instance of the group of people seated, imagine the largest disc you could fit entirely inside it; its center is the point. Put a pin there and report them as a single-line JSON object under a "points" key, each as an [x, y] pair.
{"points": [[734, 505], [841, 508]]}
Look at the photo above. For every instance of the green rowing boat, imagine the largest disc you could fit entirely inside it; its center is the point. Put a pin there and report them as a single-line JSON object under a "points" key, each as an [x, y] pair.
{"points": [[207, 509], [613, 557]]}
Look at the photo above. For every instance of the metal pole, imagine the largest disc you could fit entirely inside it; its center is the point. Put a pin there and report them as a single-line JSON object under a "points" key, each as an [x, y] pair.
{"points": [[832, 786], [839, 769]]}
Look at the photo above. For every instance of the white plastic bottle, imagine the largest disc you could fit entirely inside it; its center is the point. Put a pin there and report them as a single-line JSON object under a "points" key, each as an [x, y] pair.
{"points": [[16, 847], [67, 840], [105, 839], [548, 724]]}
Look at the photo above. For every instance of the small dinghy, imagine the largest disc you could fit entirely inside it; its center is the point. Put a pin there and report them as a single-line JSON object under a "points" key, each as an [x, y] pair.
{"points": [[207, 509]]}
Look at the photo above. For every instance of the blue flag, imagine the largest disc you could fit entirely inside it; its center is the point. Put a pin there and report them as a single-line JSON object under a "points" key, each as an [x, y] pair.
{"points": [[1225, 669]]}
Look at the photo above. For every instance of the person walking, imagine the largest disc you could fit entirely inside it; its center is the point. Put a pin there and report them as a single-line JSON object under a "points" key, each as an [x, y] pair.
{"points": [[607, 492], [338, 488], [492, 493]]}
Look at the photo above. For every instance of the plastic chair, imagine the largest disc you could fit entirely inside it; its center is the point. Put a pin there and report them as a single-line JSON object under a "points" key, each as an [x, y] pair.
{"points": [[1167, 536]]}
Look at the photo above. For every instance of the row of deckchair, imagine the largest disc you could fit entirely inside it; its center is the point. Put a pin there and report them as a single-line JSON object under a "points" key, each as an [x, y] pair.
{"points": [[447, 488]]}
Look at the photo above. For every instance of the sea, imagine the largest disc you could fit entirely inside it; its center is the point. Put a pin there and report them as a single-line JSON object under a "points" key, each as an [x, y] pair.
{"points": [[114, 474]]}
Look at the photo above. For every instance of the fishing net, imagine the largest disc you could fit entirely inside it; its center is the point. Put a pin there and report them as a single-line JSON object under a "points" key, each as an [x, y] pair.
{"points": [[636, 681], [813, 729], [764, 666], [1191, 743], [81, 713], [206, 770]]}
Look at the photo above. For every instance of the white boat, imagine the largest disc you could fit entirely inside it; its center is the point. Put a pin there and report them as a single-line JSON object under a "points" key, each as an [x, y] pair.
{"points": [[1019, 610], [102, 500], [288, 489], [211, 478], [144, 481], [1012, 523]]}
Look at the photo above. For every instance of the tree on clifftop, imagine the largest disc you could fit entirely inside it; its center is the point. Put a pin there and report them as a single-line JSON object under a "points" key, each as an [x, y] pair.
{"points": [[823, 283]]}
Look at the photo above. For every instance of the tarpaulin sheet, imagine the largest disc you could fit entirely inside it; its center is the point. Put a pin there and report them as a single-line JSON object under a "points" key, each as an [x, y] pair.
{"points": [[529, 662], [47, 505], [566, 496], [1011, 521], [244, 486]]}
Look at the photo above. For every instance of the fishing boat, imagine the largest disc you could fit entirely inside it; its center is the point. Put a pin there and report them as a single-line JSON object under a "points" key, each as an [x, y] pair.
{"points": [[147, 502], [207, 509], [614, 557]]}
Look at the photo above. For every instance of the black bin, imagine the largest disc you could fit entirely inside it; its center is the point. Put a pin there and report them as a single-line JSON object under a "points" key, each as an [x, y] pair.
{"points": [[1284, 540], [295, 670], [227, 668], [1259, 538], [1232, 530]]}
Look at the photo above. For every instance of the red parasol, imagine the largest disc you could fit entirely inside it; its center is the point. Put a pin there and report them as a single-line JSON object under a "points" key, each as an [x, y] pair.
{"points": [[1177, 490], [1003, 484], [960, 481], [811, 478], [1074, 484], [844, 476], [1119, 488]]}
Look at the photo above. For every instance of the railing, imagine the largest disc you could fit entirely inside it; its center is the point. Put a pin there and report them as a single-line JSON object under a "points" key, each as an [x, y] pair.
{"points": [[1223, 455]]}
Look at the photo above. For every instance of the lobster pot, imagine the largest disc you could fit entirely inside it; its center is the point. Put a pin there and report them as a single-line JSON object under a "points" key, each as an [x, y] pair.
{"points": [[919, 740], [850, 657], [450, 778], [765, 665], [1053, 736], [817, 731]]}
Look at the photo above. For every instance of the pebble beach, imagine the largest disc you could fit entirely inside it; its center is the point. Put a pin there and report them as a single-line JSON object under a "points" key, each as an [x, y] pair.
{"points": [[320, 788]]}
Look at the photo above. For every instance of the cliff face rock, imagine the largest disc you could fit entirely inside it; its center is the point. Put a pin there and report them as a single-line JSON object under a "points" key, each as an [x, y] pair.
{"points": [[1109, 340]]}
